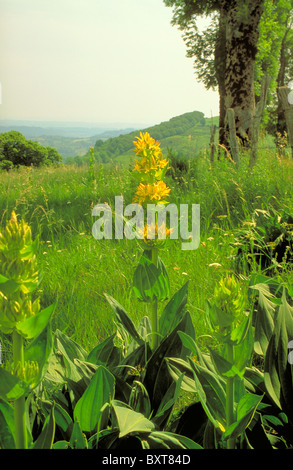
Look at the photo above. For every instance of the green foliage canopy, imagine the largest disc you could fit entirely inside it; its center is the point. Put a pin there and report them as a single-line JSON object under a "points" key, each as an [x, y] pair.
{"points": [[17, 150]]}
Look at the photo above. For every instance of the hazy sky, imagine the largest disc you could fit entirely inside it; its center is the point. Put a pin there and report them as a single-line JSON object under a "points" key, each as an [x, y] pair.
{"points": [[96, 61]]}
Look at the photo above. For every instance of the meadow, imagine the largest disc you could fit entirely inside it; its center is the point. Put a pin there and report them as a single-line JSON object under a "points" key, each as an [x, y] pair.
{"points": [[77, 270]]}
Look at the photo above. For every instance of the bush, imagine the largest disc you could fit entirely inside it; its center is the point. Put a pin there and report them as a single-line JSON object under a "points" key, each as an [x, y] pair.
{"points": [[15, 148], [6, 165]]}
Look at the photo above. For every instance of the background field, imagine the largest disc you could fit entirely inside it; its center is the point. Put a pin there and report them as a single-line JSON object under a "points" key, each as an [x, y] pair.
{"points": [[77, 269]]}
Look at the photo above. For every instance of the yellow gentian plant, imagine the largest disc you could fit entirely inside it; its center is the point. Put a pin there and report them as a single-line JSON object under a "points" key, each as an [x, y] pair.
{"points": [[20, 316], [151, 167]]}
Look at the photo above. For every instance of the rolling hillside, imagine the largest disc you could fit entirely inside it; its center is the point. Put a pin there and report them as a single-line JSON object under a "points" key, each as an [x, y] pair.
{"points": [[186, 134]]}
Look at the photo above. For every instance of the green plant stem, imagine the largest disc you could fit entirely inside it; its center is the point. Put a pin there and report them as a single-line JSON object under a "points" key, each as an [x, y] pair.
{"points": [[230, 397], [154, 317], [19, 404]]}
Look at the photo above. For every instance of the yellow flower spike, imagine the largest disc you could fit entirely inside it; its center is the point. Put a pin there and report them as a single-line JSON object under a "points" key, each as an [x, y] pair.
{"points": [[146, 142], [153, 235], [150, 156], [152, 193]]}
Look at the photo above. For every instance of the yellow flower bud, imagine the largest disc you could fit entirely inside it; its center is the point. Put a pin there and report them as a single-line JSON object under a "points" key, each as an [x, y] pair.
{"points": [[18, 265], [229, 296], [27, 372]]}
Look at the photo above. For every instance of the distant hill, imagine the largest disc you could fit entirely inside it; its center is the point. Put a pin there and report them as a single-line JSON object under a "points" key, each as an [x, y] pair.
{"points": [[68, 140], [186, 134], [77, 146]]}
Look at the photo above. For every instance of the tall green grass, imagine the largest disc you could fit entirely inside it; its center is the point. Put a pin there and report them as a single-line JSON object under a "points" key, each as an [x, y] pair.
{"points": [[77, 269]]}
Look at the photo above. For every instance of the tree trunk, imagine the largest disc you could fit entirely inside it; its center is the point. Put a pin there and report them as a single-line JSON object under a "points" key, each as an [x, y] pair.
{"points": [[257, 118], [281, 121], [220, 69], [283, 94], [242, 23]]}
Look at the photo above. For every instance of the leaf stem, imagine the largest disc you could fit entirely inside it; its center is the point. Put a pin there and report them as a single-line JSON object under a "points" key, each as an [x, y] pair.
{"points": [[230, 396], [19, 404], [154, 318]]}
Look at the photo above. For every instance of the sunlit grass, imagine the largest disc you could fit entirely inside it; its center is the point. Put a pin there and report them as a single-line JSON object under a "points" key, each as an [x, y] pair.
{"points": [[77, 269]]}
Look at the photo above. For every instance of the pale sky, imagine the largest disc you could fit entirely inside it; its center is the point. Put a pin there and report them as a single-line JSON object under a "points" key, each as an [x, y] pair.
{"points": [[96, 61]]}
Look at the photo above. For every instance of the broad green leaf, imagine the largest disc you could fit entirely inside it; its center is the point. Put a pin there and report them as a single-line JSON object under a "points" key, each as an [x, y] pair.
{"points": [[217, 318], [105, 353], [286, 311], [123, 318], [179, 367], [61, 445], [7, 427], [239, 333], [157, 379], [244, 350], [246, 409], [145, 328], [173, 311], [130, 421], [169, 399], [212, 394], [3, 279], [264, 318], [190, 344], [168, 440], [139, 399], [224, 367], [8, 286], [254, 380], [99, 392], [46, 438], [69, 350], [271, 368], [62, 418], [138, 357], [278, 372], [39, 350], [151, 282], [77, 439], [87, 369], [11, 387], [34, 325]]}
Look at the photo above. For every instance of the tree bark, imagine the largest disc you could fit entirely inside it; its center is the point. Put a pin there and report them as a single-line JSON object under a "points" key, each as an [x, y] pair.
{"points": [[281, 121], [242, 33], [220, 68], [283, 94]]}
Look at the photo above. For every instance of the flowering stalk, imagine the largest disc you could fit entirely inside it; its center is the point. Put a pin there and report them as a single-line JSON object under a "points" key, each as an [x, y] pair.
{"points": [[19, 278], [154, 317], [19, 404], [229, 300], [151, 166], [230, 396]]}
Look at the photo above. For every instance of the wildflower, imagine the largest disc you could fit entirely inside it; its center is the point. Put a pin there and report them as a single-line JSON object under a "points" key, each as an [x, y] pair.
{"points": [[145, 144], [154, 235], [151, 164], [151, 161], [28, 371], [229, 296], [18, 273], [156, 192]]}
